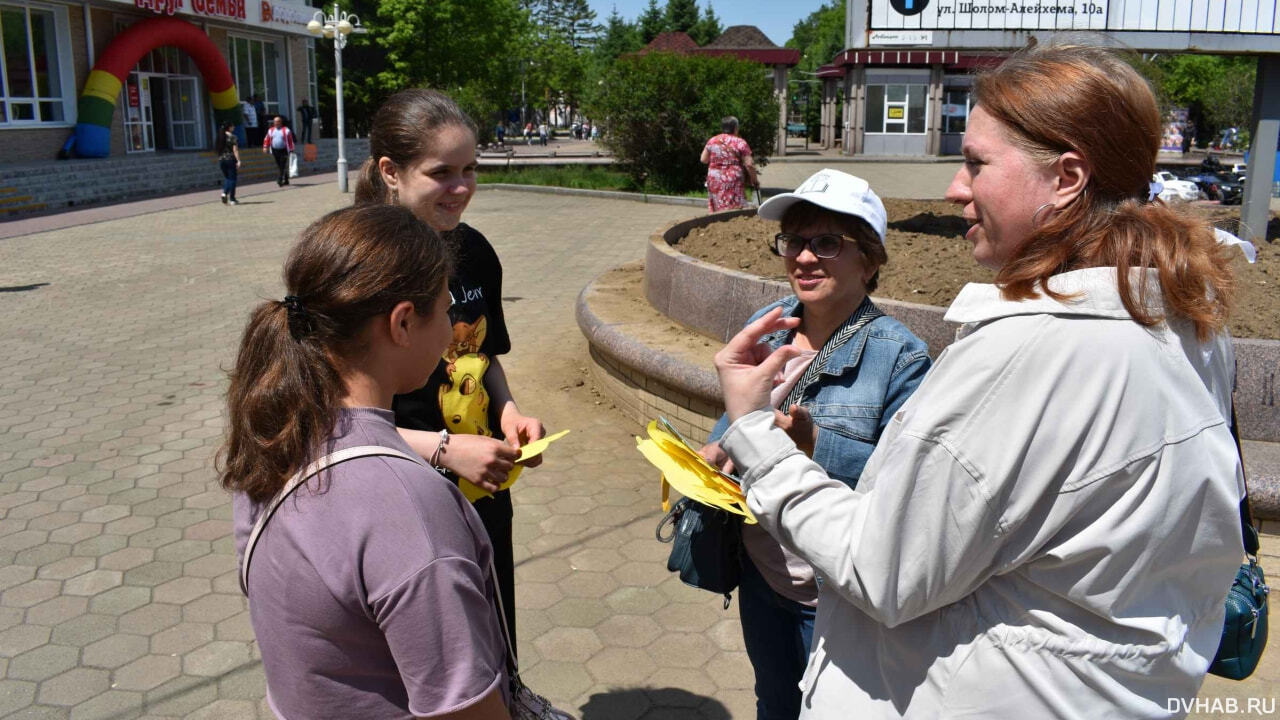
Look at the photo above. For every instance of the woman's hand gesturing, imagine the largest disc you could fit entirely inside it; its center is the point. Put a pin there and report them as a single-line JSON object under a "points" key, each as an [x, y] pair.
{"points": [[747, 367]]}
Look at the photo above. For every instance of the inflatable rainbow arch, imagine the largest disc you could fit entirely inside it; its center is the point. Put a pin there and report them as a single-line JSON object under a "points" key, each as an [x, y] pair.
{"points": [[98, 100]]}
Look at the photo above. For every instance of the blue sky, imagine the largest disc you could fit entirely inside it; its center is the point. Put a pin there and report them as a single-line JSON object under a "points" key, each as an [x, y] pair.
{"points": [[775, 18]]}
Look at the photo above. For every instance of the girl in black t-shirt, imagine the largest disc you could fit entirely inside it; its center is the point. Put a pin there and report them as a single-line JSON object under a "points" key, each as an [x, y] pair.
{"points": [[464, 420]]}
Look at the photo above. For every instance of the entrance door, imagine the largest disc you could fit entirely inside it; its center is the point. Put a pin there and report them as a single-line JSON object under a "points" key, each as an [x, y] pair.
{"points": [[138, 124], [184, 113], [160, 112]]}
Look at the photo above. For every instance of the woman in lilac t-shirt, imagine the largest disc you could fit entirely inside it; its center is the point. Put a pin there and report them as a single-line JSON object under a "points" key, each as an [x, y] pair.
{"points": [[370, 589]]}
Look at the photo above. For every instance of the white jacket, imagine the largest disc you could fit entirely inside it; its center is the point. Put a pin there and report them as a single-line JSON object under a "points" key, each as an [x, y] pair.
{"points": [[1047, 528]]}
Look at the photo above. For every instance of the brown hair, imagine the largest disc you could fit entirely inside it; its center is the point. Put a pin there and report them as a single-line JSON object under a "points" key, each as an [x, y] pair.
{"points": [[1055, 99], [806, 214], [351, 265], [403, 130]]}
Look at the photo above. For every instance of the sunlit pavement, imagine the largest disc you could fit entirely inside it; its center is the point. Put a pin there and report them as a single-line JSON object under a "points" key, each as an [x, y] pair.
{"points": [[118, 594]]}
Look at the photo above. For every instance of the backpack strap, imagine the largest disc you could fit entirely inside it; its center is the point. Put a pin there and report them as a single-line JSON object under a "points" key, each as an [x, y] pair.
{"points": [[301, 477]]}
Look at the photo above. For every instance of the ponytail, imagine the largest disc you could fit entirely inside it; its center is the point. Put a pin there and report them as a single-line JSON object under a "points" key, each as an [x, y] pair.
{"points": [[283, 402], [287, 384], [370, 189], [1194, 269]]}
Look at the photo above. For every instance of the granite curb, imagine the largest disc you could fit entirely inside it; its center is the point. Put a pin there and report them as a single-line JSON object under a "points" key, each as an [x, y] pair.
{"points": [[599, 194], [717, 301], [612, 340]]}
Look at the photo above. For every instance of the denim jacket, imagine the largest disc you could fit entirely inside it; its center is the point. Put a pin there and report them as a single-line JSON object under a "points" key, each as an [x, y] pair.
{"points": [[866, 380]]}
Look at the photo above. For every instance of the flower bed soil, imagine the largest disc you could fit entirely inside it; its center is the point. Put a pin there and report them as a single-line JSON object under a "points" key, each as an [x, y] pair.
{"points": [[929, 259]]}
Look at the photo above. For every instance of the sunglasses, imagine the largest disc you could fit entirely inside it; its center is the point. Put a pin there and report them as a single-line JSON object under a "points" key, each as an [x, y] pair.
{"points": [[825, 246]]}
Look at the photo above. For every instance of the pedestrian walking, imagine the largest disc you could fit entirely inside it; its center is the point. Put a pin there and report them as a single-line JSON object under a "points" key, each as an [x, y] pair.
{"points": [[251, 121], [263, 119], [729, 168], [228, 162], [501, 132], [279, 142], [543, 132], [307, 117]]}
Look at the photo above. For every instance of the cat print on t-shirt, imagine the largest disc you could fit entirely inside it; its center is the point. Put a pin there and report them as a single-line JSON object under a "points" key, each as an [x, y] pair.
{"points": [[464, 402]]}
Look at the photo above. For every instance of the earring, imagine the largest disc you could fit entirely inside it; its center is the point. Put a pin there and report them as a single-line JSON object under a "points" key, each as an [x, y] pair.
{"points": [[395, 196], [1035, 216]]}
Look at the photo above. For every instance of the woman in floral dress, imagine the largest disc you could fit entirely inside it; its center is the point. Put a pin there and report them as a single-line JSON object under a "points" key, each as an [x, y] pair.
{"points": [[727, 158]]}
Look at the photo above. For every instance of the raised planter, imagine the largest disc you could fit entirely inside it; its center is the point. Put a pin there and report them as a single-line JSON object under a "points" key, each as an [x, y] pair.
{"points": [[717, 301]]}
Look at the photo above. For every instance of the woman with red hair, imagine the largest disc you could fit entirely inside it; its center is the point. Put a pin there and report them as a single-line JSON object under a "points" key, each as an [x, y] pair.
{"points": [[1048, 527]]}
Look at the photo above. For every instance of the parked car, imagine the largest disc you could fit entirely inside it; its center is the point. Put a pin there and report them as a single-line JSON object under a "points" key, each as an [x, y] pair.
{"points": [[1231, 188], [1175, 189], [1219, 186]]}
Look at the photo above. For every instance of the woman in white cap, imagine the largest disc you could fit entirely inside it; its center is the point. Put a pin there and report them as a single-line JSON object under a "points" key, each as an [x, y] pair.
{"points": [[1049, 526], [854, 367]]}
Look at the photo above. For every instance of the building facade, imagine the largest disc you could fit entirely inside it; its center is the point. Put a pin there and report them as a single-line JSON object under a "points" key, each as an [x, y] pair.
{"points": [[898, 102], [102, 64]]}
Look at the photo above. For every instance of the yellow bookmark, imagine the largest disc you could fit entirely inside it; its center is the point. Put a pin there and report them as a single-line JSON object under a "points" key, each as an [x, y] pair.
{"points": [[690, 474], [474, 492]]}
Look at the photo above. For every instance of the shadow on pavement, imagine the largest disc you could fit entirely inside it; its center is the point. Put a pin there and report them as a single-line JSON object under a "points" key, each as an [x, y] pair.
{"points": [[22, 288], [645, 703]]}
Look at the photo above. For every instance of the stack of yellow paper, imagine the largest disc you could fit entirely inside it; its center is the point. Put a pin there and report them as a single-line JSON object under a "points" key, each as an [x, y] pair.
{"points": [[690, 474], [474, 492]]}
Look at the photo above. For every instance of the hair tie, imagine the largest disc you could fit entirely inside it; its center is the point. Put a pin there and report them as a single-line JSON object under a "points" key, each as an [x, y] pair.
{"points": [[299, 319], [1153, 190]]}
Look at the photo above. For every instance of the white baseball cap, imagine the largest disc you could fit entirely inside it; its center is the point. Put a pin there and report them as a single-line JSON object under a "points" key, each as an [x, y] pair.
{"points": [[836, 191]]}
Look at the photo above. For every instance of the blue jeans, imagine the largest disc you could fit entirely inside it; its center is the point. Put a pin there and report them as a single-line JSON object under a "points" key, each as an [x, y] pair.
{"points": [[228, 167], [778, 634]]}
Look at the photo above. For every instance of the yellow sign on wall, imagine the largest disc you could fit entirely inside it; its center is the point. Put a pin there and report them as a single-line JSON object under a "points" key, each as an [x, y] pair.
{"points": [[896, 113]]}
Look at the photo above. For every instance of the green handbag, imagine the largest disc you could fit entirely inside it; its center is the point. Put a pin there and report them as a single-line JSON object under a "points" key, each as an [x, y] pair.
{"points": [[1244, 632]]}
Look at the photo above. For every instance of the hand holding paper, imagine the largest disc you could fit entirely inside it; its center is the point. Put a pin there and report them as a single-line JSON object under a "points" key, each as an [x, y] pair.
{"points": [[528, 452], [683, 468]]}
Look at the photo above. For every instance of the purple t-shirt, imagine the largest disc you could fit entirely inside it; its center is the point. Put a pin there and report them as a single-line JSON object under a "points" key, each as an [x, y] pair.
{"points": [[372, 597]]}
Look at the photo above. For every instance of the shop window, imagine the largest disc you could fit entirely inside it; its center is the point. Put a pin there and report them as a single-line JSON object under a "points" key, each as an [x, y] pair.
{"points": [[257, 70], [31, 65], [896, 108], [955, 110], [312, 83]]}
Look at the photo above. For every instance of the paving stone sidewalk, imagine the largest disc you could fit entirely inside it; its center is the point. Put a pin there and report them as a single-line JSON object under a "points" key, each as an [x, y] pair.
{"points": [[118, 595]]}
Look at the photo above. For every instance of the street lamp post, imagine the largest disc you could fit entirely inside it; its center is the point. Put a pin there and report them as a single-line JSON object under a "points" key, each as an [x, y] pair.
{"points": [[337, 27]]}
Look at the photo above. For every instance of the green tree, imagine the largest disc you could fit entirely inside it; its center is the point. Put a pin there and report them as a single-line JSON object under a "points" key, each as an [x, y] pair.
{"points": [[651, 23], [708, 27], [578, 24], [681, 15], [362, 60], [658, 110], [1217, 90], [559, 57], [618, 37], [462, 47], [819, 38]]}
